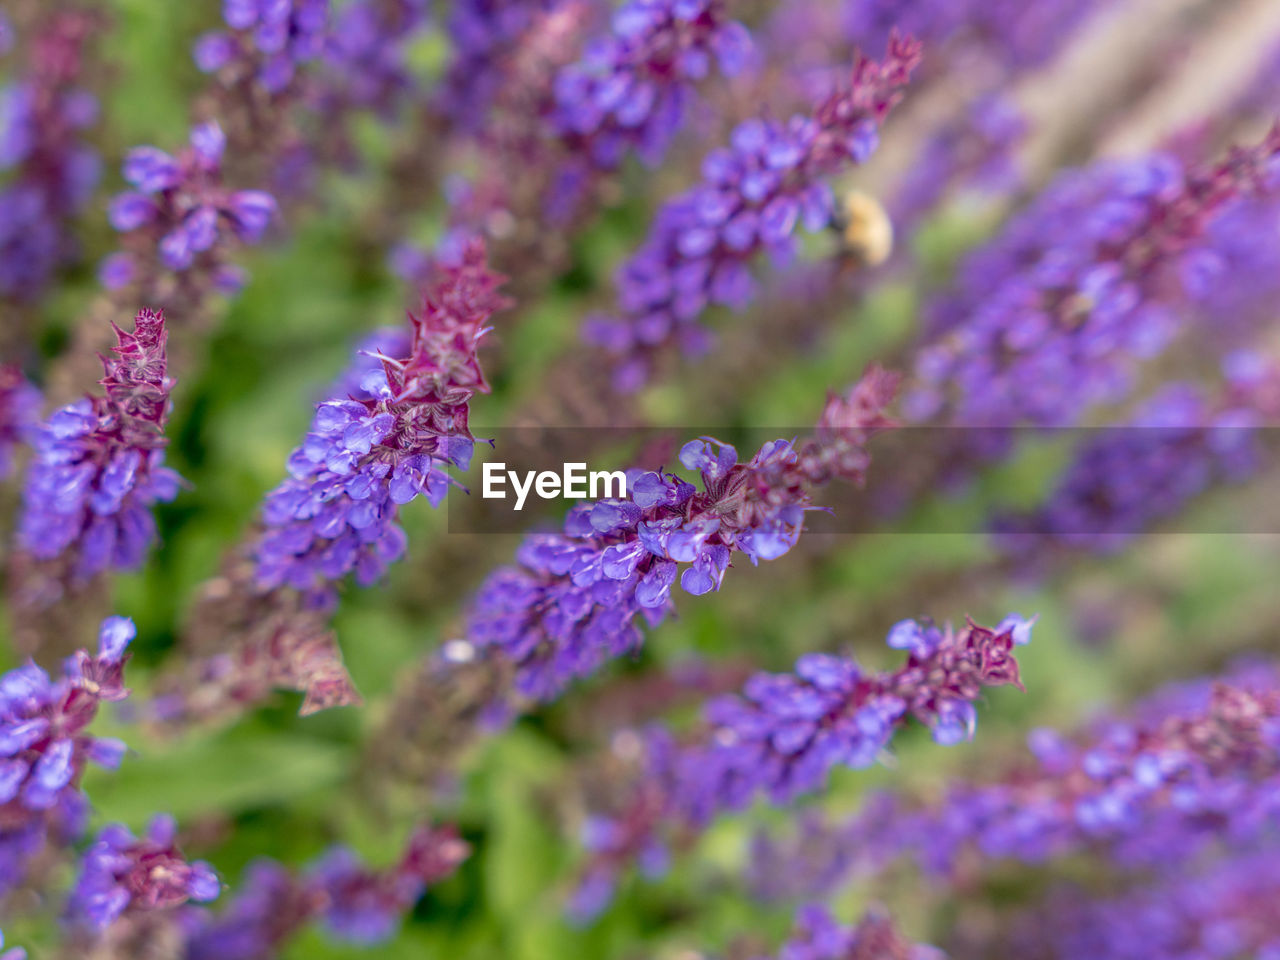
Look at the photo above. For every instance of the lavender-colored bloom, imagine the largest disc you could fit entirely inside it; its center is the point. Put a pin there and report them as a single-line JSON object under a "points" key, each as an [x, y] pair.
{"points": [[578, 598], [382, 447], [1234, 281], [13, 953], [1008, 34], [629, 91], [356, 904], [752, 197], [366, 906], [1192, 767], [123, 873], [1128, 478], [179, 203], [1224, 910], [818, 936], [44, 113], [972, 151], [19, 414], [1054, 316], [366, 53], [271, 36], [785, 733], [99, 463], [44, 746], [482, 35]]}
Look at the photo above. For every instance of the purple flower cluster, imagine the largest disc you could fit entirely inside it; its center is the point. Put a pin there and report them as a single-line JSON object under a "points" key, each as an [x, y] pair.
{"points": [[1054, 315], [483, 34], [1223, 911], [355, 903], [365, 906], [99, 463], [1006, 34], [45, 746], [14, 953], [180, 204], [973, 151], [383, 447], [1241, 264], [752, 197], [818, 936], [19, 413], [577, 598], [122, 873], [786, 732], [1127, 478], [365, 377], [1196, 765], [271, 37], [630, 90], [44, 113], [366, 56]]}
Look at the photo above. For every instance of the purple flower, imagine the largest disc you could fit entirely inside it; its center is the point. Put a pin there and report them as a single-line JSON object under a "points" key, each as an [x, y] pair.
{"points": [[53, 171], [1055, 315], [818, 936], [182, 207], [1192, 767], [1222, 909], [1127, 478], [365, 906], [270, 37], [19, 414], [356, 903], [483, 34], [752, 196], [99, 464], [123, 873], [579, 598], [366, 56], [630, 89], [44, 746], [388, 442], [785, 732]]}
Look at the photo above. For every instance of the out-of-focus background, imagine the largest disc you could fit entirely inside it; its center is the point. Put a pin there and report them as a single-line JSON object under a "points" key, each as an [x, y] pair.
{"points": [[1133, 76]]}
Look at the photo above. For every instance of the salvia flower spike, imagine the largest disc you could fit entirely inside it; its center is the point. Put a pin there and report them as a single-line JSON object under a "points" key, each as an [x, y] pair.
{"points": [[99, 462]]}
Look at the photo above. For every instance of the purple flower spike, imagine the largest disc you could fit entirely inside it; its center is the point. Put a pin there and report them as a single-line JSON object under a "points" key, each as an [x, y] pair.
{"points": [[1055, 315], [123, 873], [45, 746], [630, 90], [19, 414], [356, 903], [752, 196], [99, 465], [579, 598], [818, 936], [784, 734], [389, 438], [50, 171], [786, 731], [182, 207], [1194, 765]]}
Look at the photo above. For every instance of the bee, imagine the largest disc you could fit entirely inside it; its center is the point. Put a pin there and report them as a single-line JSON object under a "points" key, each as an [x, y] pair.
{"points": [[866, 231]]}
